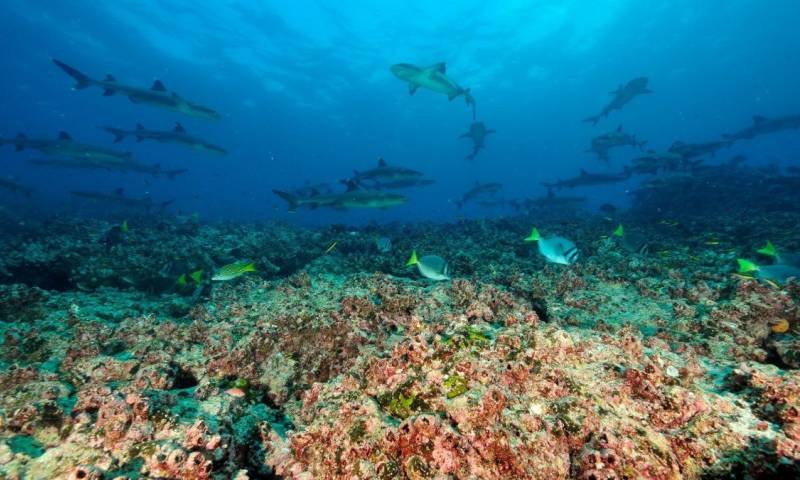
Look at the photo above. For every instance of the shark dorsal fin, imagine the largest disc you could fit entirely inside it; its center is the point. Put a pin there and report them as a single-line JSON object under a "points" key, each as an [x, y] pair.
{"points": [[381, 162], [62, 135], [179, 128], [583, 173], [759, 119], [440, 67], [351, 185], [158, 86], [619, 129], [119, 191], [110, 78], [139, 126]]}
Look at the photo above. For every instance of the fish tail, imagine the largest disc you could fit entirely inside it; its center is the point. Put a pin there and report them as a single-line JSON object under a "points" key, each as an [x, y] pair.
{"points": [[82, 80], [250, 267], [534, 236], [412, 260], [289, 198]]}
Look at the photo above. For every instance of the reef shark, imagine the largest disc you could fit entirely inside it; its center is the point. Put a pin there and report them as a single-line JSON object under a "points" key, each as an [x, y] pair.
{"points": [[479, 190], [65, 146], [762, 126], [477, 133], [622, 95], [131, 166], [352, 199], [11, 185], [177, 135], [433, 78], [618, 138], [156, 96], [383, 174], [692, 150], [586, 179], [118, 197]]}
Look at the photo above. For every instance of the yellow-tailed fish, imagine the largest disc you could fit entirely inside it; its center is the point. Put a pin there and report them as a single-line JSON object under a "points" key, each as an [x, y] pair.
{"points": [[124, 227], [234, 270], [181, 281], [197, 276]]}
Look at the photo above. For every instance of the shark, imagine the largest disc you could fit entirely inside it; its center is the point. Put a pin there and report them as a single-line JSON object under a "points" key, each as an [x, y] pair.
{"points": [[65, 146], [177, 135], [384, 174], [118, 197], [11, 185], [654, 162], [618, 138], [131, 166], [479, 190], [478, 133], [693, 150], [433, 78], [156, 96], [586, 179], [351, 199], [622, 95], [763, 126]]}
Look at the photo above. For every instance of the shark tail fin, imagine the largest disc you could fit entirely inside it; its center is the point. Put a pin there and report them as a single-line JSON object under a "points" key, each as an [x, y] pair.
{"points": [[593, 119], [289, 198], [82, 80]]}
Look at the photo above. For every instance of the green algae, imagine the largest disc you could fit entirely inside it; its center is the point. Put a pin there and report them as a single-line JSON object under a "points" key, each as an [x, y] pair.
{"points": [[401, 405], [455, 386]]}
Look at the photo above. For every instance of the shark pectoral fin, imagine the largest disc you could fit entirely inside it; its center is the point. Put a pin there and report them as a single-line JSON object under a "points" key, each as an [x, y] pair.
{"points": [[440, 67], [108, 92], [412, 88]]}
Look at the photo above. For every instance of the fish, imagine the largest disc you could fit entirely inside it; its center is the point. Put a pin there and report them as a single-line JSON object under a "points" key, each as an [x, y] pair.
{"points": [[654, 162], [196, 277], [10, 184], [177, 135], [556, 249], [586, 179], [479, 190], [233, 270], [130, 166], [383, 244], [353, 199], [548, 201], [622, 95], [433, 78], [118, 197], [632, 242], [769, 250], [156, 96], [432, 267], [115, 235], [618, 138], [776, 273], [65, 146], [693, 150], [383, 174], [763, 126], [477, 133]]}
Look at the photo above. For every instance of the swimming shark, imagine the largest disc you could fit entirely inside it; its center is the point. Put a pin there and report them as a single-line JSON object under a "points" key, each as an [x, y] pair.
{"points": [[479, 190], [131, 166], [692, 150], [65, 146], [118, 197], [156, 96], [586, 179], [384, 174], [618, 138], [177, 135], [762, 126], [654, 162], [622, 95], [352, 199], [13, 186], [477, 132], [433, 78]]}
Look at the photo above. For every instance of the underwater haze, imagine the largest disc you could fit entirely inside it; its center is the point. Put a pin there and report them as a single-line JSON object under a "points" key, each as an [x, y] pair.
{"points": [[400, 240], [306, 94]]}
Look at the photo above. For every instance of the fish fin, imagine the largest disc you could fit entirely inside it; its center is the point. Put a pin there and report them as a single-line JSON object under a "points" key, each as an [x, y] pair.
{"points": [[381, 162], [769, 250], [197, 276], [759, 119], [110, 78], [62, 135], [289, 198], [584, 173], [412, 88], [179, 128], [412, 260], [82, 80], [534, 236], [352, 185], [440, 67], [619, 231], [593, 119], [250, 267], [181, 281], [118, 136], [108, 92], [746, 266], [139, 126], [451, 97], [158, 86]]}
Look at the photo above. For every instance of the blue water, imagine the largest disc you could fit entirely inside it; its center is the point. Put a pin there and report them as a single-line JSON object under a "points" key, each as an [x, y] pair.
{"points": [[306, 92]]}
